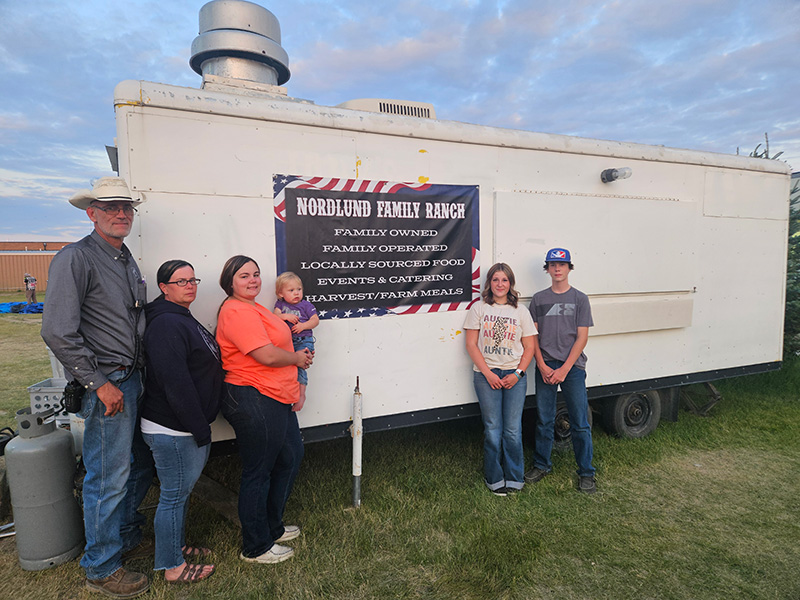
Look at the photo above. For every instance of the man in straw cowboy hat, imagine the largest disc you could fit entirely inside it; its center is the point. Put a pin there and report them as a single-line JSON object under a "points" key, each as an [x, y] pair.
{"points": [[93, 322]]}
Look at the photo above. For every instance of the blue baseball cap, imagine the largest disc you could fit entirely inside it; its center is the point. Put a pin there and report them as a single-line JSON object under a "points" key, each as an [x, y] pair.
{"points": [[558, 255]]}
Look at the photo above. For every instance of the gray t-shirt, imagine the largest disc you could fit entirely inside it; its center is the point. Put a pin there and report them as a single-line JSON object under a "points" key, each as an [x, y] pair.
{"points": [[557, 317]]}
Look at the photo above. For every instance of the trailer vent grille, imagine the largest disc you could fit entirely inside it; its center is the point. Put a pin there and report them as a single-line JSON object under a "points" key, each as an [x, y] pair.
{"points": [[405, 110], [421, 110]]}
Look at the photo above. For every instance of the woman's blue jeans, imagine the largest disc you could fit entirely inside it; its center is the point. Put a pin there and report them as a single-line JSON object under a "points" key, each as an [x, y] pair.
{"points": [[501, 411], [573, 390], [271, 449], [119, 471], [179, 464]]}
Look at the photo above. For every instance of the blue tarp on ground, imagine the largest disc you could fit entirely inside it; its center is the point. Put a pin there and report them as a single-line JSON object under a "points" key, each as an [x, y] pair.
{"points": [[21, 307]]}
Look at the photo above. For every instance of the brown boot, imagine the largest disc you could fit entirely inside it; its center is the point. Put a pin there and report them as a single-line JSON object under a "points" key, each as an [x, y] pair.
{"points": [[142, 549], [120, 584]]}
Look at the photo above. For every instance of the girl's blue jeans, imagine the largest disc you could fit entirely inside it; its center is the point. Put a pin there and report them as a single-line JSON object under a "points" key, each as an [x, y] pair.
{"points": [[501, 411]]}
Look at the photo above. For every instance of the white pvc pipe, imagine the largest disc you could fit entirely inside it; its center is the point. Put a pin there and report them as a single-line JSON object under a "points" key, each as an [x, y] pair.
{"points": [[357, 432]]}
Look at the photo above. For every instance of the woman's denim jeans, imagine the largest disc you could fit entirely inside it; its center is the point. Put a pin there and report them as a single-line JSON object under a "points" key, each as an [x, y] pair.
{"points": [[271, 449], [501, 410], [573, 390], [119, 471], [179, 464]]}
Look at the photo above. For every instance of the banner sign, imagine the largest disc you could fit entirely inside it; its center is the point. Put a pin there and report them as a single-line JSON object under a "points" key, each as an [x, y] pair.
{"points": [[366, 248]]}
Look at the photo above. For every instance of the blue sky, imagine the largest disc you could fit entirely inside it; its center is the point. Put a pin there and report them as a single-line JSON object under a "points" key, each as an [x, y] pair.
{"points": [[708, 75]]}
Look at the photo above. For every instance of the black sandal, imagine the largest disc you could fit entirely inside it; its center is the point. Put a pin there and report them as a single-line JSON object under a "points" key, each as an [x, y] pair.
{"points": [[193, 574], [195, 552]]}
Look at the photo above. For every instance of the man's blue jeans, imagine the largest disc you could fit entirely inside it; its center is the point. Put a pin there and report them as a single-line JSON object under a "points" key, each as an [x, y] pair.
{"points": [[501, 411], [271, 449], [179, 464], [119, 471], [573, 390]]}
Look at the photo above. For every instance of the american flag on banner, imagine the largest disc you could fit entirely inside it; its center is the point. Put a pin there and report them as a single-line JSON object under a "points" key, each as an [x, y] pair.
{"points": [[281, 182], [356, 188]]}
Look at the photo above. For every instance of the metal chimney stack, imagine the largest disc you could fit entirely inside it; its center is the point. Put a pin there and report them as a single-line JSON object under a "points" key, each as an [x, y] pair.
{"points": [[239, 40]]}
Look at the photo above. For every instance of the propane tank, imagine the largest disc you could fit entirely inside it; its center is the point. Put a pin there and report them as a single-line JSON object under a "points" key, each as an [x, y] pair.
{"points": [[40, 465]]}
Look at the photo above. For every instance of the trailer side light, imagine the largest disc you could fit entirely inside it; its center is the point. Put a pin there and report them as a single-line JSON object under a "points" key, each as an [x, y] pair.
{"points": [[610, 175]]}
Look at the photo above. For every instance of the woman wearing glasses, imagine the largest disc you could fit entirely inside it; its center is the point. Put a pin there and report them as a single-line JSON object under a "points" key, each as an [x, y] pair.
{"points": [[183, 390], [261, 382]]}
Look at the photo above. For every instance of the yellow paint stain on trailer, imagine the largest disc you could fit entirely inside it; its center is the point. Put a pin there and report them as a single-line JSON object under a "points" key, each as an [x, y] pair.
{"points": [[449, 336], [141, 101]]}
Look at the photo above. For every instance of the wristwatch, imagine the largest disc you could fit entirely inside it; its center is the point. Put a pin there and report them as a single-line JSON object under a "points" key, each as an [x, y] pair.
{"points": [[519, 373]]}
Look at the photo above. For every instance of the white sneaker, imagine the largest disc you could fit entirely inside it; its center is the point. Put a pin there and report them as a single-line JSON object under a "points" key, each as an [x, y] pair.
{"points": [[290, 532], [274, 555]]}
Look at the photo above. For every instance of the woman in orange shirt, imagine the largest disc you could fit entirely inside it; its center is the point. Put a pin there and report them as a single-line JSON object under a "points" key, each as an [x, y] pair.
{"points": [[261, 385]]}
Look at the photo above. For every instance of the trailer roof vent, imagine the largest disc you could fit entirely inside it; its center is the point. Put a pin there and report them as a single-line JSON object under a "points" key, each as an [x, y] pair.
{"points": [[239, 40], [405, 108]]}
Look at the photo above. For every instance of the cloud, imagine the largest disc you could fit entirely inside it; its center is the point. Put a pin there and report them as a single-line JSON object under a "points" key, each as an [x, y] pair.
{"points": [[702, 74], [8, 63], [42, 187]]}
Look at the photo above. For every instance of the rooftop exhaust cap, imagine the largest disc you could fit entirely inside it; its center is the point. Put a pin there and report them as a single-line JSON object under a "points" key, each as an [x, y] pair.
{"points": [[240, 40]]}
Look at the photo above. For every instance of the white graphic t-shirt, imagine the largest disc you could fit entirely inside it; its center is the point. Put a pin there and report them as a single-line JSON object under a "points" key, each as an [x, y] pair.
{"points": [[500, 332]]}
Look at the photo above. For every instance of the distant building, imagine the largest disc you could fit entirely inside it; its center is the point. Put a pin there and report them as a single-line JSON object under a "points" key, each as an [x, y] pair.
{"points": [[32, 246], [18, 258]]}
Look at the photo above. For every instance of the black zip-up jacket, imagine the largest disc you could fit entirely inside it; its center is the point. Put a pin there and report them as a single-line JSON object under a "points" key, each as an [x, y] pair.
{"points": [[183, 388]]}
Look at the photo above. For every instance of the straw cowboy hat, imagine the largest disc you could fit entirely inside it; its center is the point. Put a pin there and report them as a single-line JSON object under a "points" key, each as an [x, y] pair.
{"points": [[106, 189]]}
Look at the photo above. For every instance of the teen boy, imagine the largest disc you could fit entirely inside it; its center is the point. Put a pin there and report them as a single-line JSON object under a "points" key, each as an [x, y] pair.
{"points": [[562, 316]]}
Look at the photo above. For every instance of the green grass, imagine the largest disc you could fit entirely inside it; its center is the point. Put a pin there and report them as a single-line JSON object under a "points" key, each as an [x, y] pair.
{"points": [[23, 359], [705, 508]]}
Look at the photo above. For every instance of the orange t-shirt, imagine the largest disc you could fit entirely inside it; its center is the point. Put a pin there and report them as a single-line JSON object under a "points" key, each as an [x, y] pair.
{"points": [[243, 327]]}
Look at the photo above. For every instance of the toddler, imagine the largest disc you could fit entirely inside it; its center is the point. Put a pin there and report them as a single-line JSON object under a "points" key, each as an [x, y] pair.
{"points": [[301, 316]]}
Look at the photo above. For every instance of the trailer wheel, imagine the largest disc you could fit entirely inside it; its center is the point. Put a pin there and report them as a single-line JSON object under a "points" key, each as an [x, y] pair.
{"points": [[632, 415], [562, 431]]}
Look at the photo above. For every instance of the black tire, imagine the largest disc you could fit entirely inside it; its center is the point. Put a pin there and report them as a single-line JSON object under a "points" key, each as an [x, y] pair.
{"points": [[562, 433], [632, 415]]}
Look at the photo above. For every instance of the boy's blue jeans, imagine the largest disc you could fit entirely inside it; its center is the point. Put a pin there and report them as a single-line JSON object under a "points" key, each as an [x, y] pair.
{"points": [[573, 390]]}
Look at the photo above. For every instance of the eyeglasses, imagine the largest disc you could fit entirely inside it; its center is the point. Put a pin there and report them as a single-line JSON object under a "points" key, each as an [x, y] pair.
{"points": [[183, 282], [114, 209]]}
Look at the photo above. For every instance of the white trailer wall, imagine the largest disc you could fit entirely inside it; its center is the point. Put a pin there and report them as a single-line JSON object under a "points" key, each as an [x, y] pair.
{"points": [[684, 262]]}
